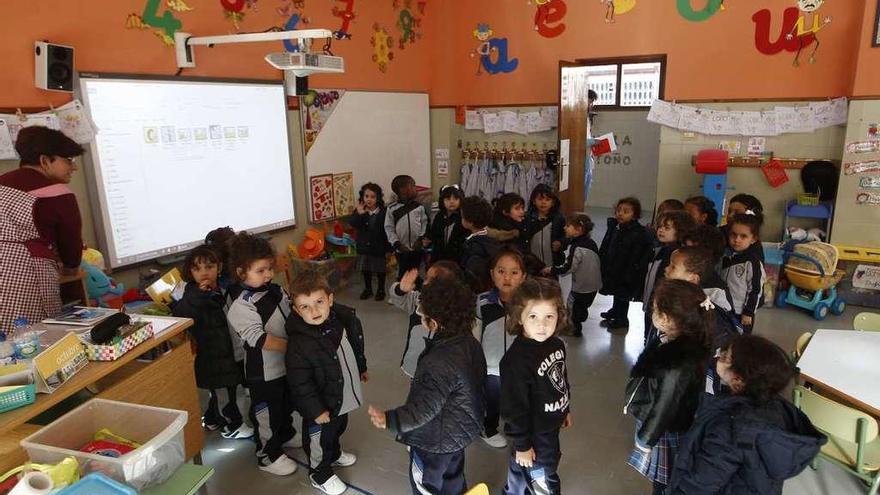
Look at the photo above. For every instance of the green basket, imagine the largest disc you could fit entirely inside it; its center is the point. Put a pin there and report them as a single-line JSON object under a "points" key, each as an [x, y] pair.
{"points": [[807, 199], [18, 397]]}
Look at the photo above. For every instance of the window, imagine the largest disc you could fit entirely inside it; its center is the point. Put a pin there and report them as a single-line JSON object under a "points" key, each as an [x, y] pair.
{"points": [[633, 82]]}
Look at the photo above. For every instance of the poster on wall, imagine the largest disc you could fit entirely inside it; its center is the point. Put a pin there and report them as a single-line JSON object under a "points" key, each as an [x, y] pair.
{"points": [[321, 197], [319, 106], [343, 194]]}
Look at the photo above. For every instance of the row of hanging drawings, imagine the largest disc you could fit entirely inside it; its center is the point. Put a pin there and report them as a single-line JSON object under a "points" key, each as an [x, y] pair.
{"points": [[489, 178]]}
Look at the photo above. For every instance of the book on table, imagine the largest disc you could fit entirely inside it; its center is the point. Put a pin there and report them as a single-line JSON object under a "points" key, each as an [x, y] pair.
{"points": [[81, 316]]}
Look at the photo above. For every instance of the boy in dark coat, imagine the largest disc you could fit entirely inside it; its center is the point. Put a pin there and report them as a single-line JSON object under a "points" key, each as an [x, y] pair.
{"points": [[325, 365], [625, 243], [479, 247], [444, 411]]}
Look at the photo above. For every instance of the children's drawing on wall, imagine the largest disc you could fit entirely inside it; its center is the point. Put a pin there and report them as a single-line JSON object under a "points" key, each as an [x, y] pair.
{"points": [[407, 23], [382, 43], [548, 17], [614, 8], [686, 9], [808, 8], [489, 47], [346, 15], [784, 41]]}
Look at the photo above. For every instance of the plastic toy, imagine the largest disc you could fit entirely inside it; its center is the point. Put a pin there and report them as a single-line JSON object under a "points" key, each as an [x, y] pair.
{"points": [[811, 267], [100, 287]]}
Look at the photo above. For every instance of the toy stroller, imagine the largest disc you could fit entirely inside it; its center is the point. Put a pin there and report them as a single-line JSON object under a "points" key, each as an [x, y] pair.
{"points": [[811, 268]]}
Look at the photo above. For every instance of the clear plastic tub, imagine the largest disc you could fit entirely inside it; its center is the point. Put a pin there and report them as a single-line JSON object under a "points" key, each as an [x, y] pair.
{"points": [[158, 430]]}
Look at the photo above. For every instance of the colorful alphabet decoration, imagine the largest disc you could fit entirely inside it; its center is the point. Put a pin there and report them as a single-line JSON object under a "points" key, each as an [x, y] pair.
{"points": [[234, 10], [548, 17], [164, 25], [617, 7], [289, 7], [784, 41], [805, 34], [382, 44], [346, 15], [490, 46], [686, 9], [482, 34], [290, 25], [407, 22]]}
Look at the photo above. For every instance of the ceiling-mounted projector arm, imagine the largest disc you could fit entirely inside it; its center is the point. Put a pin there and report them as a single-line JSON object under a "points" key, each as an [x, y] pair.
{"points": [[185, 41]]}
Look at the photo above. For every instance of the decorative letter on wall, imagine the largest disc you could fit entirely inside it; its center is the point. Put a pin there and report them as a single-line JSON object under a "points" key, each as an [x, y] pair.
{"points": [[763, 21], [552, 11], [501, 64], [687, 10]]}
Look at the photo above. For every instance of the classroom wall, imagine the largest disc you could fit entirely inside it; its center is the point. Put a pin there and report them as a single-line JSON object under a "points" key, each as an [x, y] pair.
{"points": [[854, 224], [632, 170], [866, 80], [677, 179]]}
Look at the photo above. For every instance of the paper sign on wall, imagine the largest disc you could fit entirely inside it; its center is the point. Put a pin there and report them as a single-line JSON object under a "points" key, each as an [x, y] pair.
{"points": [[492, 123], [441, 154], [473, 120], [866, 277], [442, 168], [757, 145]]}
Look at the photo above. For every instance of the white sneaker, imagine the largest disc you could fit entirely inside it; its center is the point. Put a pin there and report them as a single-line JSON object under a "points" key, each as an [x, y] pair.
{"points": [[333, 486], [282, 466], [345, 459], [243, 431], [294, 443], [497, 440]]}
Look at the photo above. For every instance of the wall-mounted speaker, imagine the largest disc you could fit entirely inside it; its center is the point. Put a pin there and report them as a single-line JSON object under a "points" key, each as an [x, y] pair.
{"points": [[53, 68]]}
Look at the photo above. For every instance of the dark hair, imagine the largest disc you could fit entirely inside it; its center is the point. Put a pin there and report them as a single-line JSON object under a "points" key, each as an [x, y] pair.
{"points": [[477, 211], [680, 220], [506, 202], [749, 201], [669, 205], [763, 366], [753, 222], [697, 260], [199, 254], [399, 182], [536, 289], [450, 191], [307, 282], [508, 253], [709, 237], [547, 192], [706, 206], [35, 141], [377, 190], [245, 249], [447, 268], [592, 95], [680, 301], [218, 240], [580, 220], [450, 303], [633, 203]]}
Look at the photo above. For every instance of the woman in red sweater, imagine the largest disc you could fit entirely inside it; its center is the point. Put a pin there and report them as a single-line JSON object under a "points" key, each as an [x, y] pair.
{"points": [[40, 226]]}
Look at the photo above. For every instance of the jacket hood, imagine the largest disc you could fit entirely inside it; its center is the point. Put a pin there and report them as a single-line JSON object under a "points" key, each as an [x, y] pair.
{"points": [[295, 323], [718, 297], [504, 222], [485, 244], [669, 355]]}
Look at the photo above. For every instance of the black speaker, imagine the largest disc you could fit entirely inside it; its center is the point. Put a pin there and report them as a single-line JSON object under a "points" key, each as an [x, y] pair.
{"points": [[53, 68], [302, 86]]}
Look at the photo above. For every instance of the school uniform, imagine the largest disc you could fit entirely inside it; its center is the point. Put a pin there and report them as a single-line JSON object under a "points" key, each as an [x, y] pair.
{"points": [[254, 314], [535, 399], [542, 232], [372, 245], [745, 276], [621, 253], [509, 233], [494, 341], [447, 237], [582, 262], [324, 364], [442, 415], [655, 270], [478, 251], [416, 334], [406, 224]]}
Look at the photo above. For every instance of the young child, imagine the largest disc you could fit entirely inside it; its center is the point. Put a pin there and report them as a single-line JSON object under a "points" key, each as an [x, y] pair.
{"points": [[215, 365], [447, 234], [257, 314], [443, 412], [405, 296], [406, 223], [752, 440], [508, 224], [623, 247], [372, 242], [479, 248], [702, 210], [663, 207], [218, 240], [545, 226], [742, 269], [535, 393], [742, 204], [507, 270], [325, 367], [582, 262], [666, 382]]}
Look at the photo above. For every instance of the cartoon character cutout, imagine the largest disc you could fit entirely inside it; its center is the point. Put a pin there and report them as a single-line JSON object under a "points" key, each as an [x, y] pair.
{"points": [[802, 30], [609, 10], [614, 8], [482, 34]]}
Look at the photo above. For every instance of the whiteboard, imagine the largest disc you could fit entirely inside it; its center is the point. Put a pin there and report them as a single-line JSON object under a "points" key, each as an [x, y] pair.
{"points": [[374, 135]]}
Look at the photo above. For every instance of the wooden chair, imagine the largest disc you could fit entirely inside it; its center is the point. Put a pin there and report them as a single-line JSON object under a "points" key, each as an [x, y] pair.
{"points": [[852, 435], [481, 489], [801, 345], [868, 322]]}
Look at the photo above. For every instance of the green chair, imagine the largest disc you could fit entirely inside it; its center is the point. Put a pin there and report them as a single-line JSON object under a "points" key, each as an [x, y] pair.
{"points": [[852, 435], [801, 345], [869, 322]]}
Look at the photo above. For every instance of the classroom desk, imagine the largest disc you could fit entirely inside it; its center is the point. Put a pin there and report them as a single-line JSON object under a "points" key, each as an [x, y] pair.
{"points": [[168, 381], [845, 363]]}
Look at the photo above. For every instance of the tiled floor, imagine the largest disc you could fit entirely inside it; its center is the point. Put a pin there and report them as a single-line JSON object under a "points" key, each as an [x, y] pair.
{"points": [[595, 449]]}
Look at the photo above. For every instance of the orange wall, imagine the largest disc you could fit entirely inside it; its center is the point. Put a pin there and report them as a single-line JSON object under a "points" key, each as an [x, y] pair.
{"points": [[867, 77], [96, 28]]}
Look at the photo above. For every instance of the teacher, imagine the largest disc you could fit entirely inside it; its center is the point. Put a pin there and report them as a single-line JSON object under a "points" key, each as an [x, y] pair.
{"points": [[40, 226]]}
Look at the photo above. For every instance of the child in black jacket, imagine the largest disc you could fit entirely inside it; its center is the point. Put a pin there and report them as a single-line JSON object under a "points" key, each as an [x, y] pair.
{"points": [[623, 248], [443, 413], [325, 368], [508, 224], [372, 242], [545, 225], [479, 248], [535, 394], [215, 365], [742, 269], [751, 441], [446, 233]]}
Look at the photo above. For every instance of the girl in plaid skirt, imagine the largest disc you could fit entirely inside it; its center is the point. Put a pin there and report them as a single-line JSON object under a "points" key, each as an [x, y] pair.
{"points": [[666, 382]]}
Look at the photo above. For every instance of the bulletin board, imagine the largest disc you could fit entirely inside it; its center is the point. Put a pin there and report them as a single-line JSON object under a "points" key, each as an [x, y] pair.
{"points": [[855, 223], [373, 135]]}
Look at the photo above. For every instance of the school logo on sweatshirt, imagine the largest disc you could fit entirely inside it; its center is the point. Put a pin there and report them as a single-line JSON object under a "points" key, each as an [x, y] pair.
{"points": [[553, 366]]}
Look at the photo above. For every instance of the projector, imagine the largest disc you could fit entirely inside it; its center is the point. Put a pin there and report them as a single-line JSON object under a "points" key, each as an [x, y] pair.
{"points": [[305, 64]]}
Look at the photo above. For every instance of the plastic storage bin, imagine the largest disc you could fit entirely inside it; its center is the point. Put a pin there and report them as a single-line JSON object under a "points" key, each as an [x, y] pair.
{"points": [[861, 284], [158, 430]]}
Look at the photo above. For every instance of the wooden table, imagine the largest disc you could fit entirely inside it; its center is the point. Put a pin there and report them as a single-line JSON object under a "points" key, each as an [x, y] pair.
{"points": [[846, 363], [168, 381]]}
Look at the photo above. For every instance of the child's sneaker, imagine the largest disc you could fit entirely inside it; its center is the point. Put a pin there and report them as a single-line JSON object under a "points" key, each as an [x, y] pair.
{"points": [[283, 466], [333, 485], [345, 459], [497, 440], [242, 432]]}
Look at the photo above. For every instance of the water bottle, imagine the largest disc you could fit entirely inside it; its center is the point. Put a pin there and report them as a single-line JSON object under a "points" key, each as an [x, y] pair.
{"points": [[26, 341]]}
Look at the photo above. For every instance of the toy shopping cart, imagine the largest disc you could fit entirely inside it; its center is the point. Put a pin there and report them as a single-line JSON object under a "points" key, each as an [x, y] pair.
{"points": [[811, 268]]}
